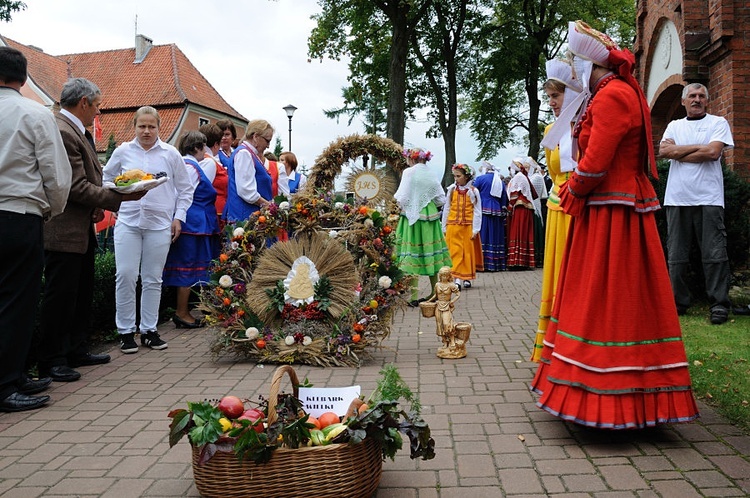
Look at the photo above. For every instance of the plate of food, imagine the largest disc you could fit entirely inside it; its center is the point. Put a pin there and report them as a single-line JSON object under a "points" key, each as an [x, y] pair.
{"points": [[136, 180]]}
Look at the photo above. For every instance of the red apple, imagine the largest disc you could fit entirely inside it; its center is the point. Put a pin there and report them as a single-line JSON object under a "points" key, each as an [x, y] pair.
{"points": [[255, 417], [231, 406]]}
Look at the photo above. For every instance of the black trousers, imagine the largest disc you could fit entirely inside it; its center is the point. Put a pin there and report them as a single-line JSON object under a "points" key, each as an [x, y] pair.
{"points": [[65, 314], [21, 263]]}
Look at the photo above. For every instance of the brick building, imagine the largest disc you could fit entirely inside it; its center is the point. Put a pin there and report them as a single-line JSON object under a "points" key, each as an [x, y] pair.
{"points": [[697, 41]]}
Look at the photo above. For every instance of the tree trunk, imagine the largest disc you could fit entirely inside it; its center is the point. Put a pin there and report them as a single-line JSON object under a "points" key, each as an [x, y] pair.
{"points": [[396, 120], [532, 81]]}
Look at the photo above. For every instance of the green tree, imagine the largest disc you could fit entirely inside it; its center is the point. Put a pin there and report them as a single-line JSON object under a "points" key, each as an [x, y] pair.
{"points": [[7, 7], [278, 148], [445, 47], [504, 95], [342, 29], [111, 146]]}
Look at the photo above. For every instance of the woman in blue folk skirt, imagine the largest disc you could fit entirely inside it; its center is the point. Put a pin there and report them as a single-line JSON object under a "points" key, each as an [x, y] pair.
{"points": [[190, 256], [494, 198]]}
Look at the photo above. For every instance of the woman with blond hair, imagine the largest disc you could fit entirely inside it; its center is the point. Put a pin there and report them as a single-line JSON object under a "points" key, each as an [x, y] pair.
{"points": [[250, 185], [146, 228]]}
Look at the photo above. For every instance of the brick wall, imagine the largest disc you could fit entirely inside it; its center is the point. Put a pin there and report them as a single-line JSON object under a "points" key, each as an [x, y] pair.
{"points": [[715, 40]]}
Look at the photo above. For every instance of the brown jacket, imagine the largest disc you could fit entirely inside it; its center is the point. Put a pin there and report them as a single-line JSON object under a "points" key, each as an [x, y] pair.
{"points": [[70, 231]]}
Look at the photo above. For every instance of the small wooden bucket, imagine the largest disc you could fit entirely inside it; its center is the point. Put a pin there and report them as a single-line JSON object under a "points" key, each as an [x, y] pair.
{"points": [[428, 308], [463, 330]]}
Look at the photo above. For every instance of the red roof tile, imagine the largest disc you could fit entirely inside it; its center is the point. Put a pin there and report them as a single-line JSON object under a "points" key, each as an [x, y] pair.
{"points": [[120, 123], [164, 79]]}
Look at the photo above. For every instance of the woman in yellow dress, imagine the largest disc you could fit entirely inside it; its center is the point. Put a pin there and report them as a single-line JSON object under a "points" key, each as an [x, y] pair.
{"points": [[562, 90]]}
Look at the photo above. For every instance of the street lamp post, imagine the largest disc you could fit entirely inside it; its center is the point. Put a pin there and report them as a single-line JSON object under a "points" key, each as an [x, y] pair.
{"points": [[289, 113]]}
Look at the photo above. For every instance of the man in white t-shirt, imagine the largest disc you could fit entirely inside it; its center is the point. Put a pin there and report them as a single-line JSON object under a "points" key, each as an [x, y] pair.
{"points": [[694, 200]]}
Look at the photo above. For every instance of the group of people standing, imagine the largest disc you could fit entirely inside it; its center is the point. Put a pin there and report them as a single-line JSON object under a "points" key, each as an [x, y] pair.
{"points": [[54, 193], [428, 240], [608, 339]]}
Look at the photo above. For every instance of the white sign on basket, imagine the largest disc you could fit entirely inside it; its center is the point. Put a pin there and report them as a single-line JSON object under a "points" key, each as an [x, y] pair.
{"points": [[318, 400]]}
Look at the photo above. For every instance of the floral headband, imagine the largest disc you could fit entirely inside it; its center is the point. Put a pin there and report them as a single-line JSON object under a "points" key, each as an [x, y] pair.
{"points": [[463, 168], [417, 154]]}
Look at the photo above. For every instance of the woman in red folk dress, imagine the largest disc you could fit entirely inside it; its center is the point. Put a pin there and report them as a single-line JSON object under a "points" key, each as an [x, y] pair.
{"points": [[613, 355], [521, 196]]}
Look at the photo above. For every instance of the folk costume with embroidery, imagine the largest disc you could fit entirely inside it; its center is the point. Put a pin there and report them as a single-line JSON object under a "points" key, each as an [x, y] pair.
{"points": [[560, 164], [494, 199], [248, 183], [462, 219], [521, 222], [613, 355], [420, 245]]}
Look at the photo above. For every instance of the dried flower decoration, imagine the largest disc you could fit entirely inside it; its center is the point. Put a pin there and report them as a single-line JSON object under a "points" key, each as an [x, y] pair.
{"points": [[417, 155], [465, 169]]}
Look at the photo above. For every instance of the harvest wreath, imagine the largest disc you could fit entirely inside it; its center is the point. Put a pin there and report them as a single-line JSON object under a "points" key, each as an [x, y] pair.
{"points": [[238, 452], [320, 298]]}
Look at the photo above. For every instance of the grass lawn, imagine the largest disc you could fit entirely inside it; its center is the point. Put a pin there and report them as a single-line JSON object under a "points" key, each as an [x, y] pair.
{"points": [[719, 358]]}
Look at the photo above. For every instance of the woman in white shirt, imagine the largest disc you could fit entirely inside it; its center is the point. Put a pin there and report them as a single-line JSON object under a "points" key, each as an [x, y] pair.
{"points": [[146, 228]]}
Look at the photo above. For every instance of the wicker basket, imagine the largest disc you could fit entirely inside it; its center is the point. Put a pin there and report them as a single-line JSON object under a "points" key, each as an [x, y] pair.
{"points": [[336, 470], [428, 308], [463, 331]]}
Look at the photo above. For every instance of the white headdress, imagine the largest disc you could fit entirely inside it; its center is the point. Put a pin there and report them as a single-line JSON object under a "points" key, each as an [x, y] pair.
{"points": [[497, 188], [561, 70]]}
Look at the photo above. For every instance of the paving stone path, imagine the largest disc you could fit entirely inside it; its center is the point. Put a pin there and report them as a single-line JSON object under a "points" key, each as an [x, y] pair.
{"points": [[106, 435]]}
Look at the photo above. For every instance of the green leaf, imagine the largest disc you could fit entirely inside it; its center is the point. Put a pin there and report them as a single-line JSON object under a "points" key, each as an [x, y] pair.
{"points": [[180, 420]]}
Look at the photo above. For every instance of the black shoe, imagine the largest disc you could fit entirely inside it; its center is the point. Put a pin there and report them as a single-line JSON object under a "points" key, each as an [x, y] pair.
{"points": [[18, 402], [152, 340], [741, 310], [127, 343], [467, 284], [89, 359], [719, 315], [681, 310], [31, 386], [180, 323], [62, 373]]}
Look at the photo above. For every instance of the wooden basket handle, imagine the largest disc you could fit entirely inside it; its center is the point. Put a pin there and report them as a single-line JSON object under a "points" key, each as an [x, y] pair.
{"points": [[273, 397]]}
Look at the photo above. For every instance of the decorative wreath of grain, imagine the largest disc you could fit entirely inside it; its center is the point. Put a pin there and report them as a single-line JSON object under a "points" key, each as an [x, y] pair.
{"points": [[331, 259], [328, 165]]}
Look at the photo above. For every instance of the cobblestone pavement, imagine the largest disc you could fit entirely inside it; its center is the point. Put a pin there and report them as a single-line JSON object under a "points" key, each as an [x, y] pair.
{"points": [[106, 435]]}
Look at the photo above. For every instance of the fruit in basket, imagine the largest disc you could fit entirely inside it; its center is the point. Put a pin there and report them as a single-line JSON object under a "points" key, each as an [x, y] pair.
{"points": [[231, 406], [255, 417], [226, 424], [314, 421], [333, 430], [327, 419], [317, 438]]}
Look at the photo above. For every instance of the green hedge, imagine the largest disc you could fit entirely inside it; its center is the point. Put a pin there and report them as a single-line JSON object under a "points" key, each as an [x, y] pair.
{"points": [[103, 306]]}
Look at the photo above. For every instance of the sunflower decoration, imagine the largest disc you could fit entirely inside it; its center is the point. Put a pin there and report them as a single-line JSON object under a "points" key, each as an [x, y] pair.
{"points": [[312, 272]]}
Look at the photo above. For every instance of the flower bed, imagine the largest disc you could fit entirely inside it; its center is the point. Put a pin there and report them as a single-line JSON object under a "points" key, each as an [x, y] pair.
{"points": [[323, 297]]}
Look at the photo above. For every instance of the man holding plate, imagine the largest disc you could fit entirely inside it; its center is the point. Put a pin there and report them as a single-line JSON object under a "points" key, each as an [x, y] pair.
{"points": [[70, 242]]}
